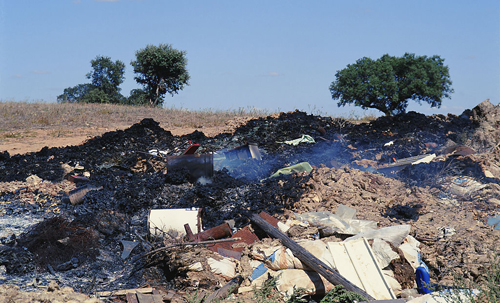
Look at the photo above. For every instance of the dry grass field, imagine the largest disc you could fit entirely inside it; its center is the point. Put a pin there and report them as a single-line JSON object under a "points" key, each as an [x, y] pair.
{"points": [[28, 127]]}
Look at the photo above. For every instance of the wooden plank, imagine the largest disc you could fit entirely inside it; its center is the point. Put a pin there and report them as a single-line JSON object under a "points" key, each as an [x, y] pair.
{"points": [[308, 258], [343, 263], [170, 295], [132, 297], [147, 298], [369, 272], [230, 287], [356, 262], [123, 292]]}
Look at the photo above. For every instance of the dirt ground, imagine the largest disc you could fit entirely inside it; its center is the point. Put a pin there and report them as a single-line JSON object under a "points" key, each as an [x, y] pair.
{"points": [[446, 202]]}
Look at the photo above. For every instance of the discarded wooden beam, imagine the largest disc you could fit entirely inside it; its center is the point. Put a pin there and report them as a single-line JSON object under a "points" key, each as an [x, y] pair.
{"points": [[307, 258], [230, 287]]}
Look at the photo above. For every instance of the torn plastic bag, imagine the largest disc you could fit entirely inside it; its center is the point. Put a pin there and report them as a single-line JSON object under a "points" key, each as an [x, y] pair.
{"points": [[383, 252], [330, 223], [394, 234], [297, 168], [463, 186], [303, 139]]}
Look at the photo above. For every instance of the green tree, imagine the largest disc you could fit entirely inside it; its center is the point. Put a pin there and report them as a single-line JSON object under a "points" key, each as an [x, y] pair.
{"points": [[75, 94], [106, 76], [388, 83], [160, 70], [138, 97]]}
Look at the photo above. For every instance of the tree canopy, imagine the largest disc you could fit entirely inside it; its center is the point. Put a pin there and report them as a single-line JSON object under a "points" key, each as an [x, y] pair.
{"points": [[388, 83], [106, 76], [160, 70]]}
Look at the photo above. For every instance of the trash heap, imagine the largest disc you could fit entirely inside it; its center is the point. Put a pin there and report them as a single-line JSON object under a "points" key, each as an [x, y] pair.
{"points": [[389, 209]]}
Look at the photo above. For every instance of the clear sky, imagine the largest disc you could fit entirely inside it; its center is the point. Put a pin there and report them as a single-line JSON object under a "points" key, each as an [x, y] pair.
{"points": [[275, 55]]}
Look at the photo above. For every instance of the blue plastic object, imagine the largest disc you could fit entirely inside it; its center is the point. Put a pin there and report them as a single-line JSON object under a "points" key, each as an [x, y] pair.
{"points": [[423, 280], [258, 271], [495, 222], [261, 269]]}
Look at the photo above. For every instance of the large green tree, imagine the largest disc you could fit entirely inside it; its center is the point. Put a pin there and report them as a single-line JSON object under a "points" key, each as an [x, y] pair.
{"points": [[106, 76], [388, 83], [160, 70]]}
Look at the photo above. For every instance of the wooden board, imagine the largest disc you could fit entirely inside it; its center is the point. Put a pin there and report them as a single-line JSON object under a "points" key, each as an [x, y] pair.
{"points": [[343, 263], [356, 262], [132, 297], [146, 298]]}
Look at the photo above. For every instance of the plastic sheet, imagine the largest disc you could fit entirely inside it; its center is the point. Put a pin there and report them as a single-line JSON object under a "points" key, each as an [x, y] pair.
{"points": [[383, 252], [333, 223], [297, 168], [303, 139], [394, 234], [495, 222]]}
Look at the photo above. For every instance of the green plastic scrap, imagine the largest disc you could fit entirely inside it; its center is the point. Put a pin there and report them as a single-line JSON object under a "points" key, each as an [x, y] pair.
{"points": [[297, 168], [303, 139]]}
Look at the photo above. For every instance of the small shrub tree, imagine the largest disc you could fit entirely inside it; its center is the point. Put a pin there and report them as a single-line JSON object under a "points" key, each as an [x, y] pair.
{"points": [[75, 94], [160, 70], [389, 82], [138, 97]]}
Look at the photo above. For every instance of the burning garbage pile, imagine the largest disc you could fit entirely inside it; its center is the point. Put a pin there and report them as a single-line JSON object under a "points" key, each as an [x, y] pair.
{"points": [[140, 214]]}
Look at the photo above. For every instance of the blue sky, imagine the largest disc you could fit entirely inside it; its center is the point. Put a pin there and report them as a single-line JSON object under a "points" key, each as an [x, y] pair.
{"points": [[275, 55]]}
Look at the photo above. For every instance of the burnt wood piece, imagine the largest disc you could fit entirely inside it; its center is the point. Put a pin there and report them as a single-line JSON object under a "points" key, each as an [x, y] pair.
{"points": [[230, 287], [132, 297], [146, 298], [307, 258]]}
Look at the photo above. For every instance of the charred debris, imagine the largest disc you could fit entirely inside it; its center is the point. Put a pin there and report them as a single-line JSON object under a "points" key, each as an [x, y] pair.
{"points": [[80, 215]]}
